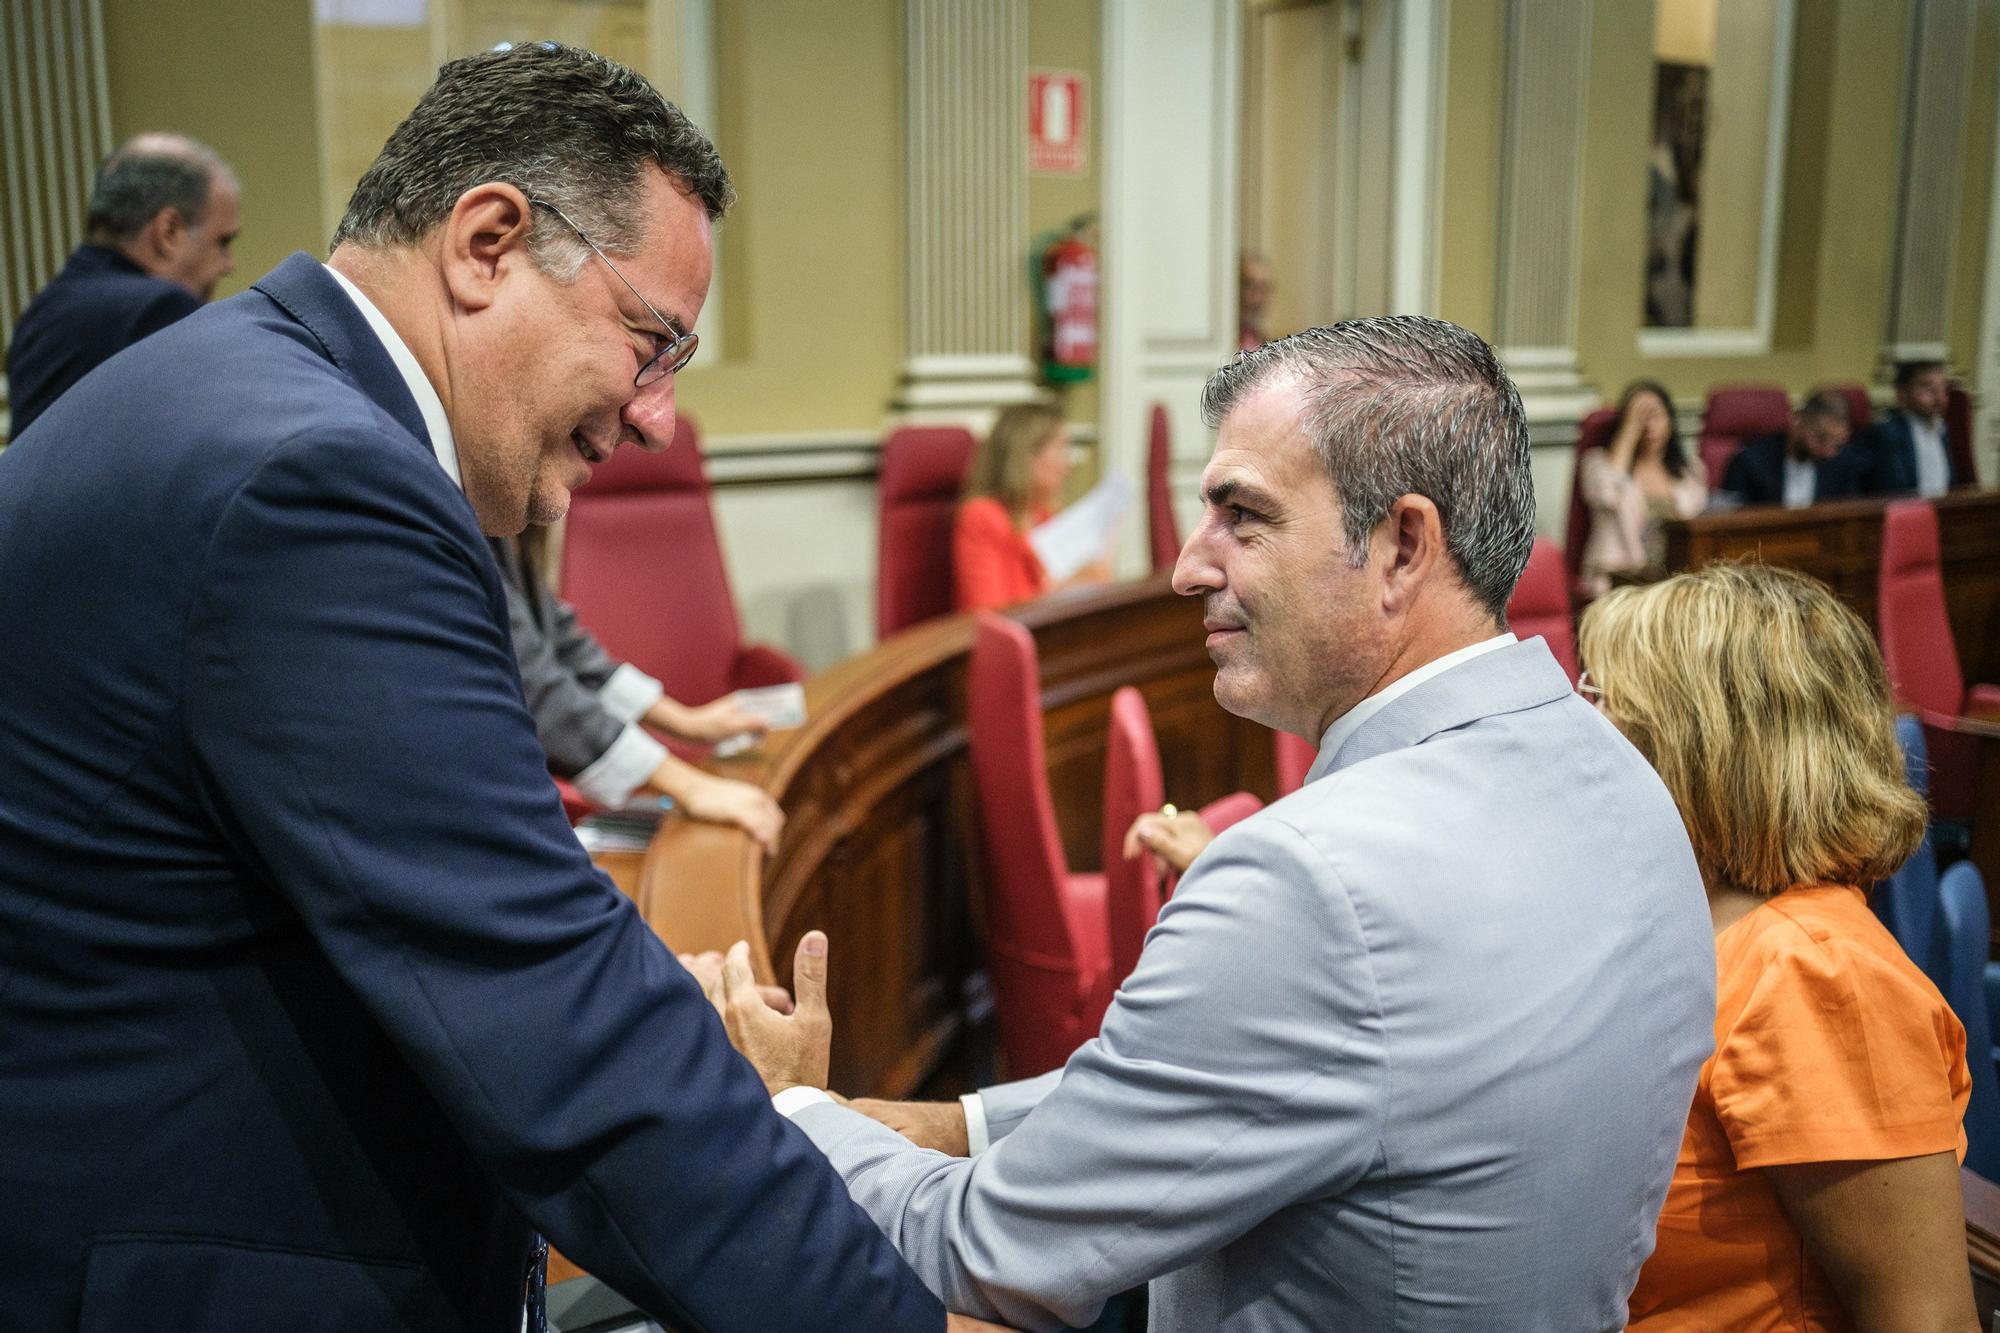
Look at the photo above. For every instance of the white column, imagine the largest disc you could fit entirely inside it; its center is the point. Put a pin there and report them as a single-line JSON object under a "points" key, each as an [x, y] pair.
{"points": [[1548, 50], [1936, 99], [966, 135], [1172, 106]]}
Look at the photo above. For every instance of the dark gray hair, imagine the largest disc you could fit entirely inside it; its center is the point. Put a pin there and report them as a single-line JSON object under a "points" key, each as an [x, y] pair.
{"points": [[559, 123], [147, 173], [1402, 405], [1826, 405]]}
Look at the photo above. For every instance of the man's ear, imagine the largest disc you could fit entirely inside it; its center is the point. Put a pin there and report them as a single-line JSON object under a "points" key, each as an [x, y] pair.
{"points": [[163, 233], [483, 242], [1414, 536]]}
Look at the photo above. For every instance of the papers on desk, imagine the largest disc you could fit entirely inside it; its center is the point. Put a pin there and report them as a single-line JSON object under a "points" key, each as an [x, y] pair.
{"points": [[780, 706], [1082, 533], [629, 828]]}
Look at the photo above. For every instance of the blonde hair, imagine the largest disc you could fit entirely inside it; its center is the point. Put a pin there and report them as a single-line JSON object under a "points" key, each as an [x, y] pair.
{"points": [[1761, 701], [1004, 466]]}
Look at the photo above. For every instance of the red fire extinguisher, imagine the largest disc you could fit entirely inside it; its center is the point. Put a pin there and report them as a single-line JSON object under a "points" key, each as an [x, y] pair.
{"points": [[1069, 295]]}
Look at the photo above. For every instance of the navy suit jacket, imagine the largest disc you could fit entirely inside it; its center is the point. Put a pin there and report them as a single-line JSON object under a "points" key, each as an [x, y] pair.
{"points": [[100, 304], [1892, 457], [310, 1003], [1757, 473]]}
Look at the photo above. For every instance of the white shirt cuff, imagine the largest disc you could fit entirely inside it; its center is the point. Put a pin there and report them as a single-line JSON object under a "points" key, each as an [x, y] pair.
{"points": [[796, 1099], [976, 1139], [622, 769], [629, 693]]}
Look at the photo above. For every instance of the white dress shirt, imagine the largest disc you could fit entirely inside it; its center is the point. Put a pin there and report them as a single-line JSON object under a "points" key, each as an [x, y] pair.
{"points": [[1933, 460], [1801, 481]]}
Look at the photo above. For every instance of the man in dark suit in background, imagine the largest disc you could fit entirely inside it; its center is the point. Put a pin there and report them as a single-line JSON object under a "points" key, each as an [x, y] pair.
{"points": [[1810, 462], [1906, 449], [312, 1009], [163, 216]]}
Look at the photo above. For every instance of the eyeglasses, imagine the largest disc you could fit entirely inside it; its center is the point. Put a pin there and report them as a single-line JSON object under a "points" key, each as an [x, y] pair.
{"points": [[679, 349], [1589, 688]]}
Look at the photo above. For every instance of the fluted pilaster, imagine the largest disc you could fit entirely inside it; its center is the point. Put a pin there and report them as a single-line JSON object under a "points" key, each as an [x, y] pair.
{"points": [[1936, 100]]}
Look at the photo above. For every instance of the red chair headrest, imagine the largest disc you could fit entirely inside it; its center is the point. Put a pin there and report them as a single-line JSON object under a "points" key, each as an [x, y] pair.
{"points": [[924, 462], [676, 468], [1747, 410]]}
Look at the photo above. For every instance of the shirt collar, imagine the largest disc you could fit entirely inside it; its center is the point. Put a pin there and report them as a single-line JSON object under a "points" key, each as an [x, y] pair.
{"points": [[1349, 722], [428, 403]]}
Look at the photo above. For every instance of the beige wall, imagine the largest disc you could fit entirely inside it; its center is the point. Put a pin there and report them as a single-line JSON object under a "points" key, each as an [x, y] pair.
{"points": [[1063, 34], [237, 74]]}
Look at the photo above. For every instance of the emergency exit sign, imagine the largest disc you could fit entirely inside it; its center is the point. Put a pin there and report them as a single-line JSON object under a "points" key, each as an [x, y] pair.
{"points": [[1056, 121]]}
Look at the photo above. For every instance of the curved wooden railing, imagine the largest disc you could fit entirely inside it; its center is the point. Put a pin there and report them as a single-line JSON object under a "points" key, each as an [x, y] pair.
{"points": [[881, 842]]}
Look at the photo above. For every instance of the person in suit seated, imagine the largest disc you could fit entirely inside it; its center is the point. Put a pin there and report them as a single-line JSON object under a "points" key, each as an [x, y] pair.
{"points": [[592, 713], [1907, 449], [313, 1011], [1633, 485], [163, 217], [1413, 1046], [1818, 1183], [1810, 462], [1016, 476]]}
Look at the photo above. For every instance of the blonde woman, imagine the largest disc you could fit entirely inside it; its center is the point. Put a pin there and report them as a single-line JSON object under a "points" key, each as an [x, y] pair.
{"points": [[1011, 487], [1817, 1186]]}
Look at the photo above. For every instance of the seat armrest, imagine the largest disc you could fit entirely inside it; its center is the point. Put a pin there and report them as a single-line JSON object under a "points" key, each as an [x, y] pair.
{"points": [[759, 664], [1983, 703]]}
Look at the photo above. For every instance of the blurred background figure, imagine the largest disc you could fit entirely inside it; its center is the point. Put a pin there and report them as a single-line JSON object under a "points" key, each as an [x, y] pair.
{"points": [[1906, 448], [163, 218], [1634, 485], [1013, 484], [1810, 462]]}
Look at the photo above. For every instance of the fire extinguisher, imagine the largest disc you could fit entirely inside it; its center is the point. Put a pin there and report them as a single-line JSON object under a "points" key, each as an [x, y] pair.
{"points": [[1069, 296]]}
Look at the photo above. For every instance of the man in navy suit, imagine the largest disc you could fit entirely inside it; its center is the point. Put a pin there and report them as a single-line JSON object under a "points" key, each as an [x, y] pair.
{"points": [[1907, 449], [163, 216], [1810, 462], [312, 1010]]}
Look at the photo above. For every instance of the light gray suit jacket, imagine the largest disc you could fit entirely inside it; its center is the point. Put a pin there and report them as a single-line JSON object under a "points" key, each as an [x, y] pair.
{"points": [[1411, 1049]]}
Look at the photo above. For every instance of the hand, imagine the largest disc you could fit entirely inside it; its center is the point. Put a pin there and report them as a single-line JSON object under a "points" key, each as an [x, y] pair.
{"points": [[706, 968], [935, 1125], [1174, 841], [719, 720], [785, 1049], [727, 801]]}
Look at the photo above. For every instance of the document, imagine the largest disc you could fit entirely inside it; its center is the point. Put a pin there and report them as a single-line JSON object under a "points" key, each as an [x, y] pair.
{"points": [[781, 706], [1082, 532]]}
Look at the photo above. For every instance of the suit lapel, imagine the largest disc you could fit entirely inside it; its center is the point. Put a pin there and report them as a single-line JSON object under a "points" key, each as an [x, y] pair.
{"points": [[304, 290], [1506, 680]]}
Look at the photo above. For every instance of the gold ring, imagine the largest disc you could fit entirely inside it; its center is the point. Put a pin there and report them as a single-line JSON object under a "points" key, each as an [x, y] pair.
{"points": [[1169, 810]]}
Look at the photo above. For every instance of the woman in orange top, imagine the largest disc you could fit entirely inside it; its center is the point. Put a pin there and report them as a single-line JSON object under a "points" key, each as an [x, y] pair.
{"points": [[1817, 1186], [1012, 486]]}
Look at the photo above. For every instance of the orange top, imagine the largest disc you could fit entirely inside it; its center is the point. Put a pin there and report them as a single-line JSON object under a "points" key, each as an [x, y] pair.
{"points": [[992, 562], [1830, 1046]]}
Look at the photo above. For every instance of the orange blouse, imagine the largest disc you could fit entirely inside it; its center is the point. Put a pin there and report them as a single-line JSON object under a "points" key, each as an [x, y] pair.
{"points": [[992, 562], [1830, 1045]]}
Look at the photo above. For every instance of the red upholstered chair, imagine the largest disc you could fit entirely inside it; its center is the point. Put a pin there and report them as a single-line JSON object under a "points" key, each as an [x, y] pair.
{"points": [[1922, 659], [923, 472], [1163, 533], [642, 565], [1133, 893], [1593, 432], [1736, 413], [1541, 605], [1958, 432], [1046, 938], [1292, 758], [1860, 410]]}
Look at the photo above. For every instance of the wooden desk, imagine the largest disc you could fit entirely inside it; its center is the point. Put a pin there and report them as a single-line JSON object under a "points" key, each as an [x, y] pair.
{"points": [[1840, 542], [881, 845]]}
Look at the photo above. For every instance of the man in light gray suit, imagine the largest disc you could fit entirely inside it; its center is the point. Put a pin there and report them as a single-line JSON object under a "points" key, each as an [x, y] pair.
{"points": [[1414, 1047]]}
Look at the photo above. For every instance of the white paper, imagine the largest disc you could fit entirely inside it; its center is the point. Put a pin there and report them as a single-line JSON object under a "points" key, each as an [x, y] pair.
{"points": [[780, 706], [1082, 533]]}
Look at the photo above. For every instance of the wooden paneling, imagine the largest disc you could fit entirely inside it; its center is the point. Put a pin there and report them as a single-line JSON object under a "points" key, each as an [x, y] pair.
{"points": [[881, 843], [1841, 543]]}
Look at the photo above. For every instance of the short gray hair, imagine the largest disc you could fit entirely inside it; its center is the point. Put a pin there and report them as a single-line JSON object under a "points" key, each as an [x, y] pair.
{"points": [[1403, 405], [559, 123], [147, 173]]}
